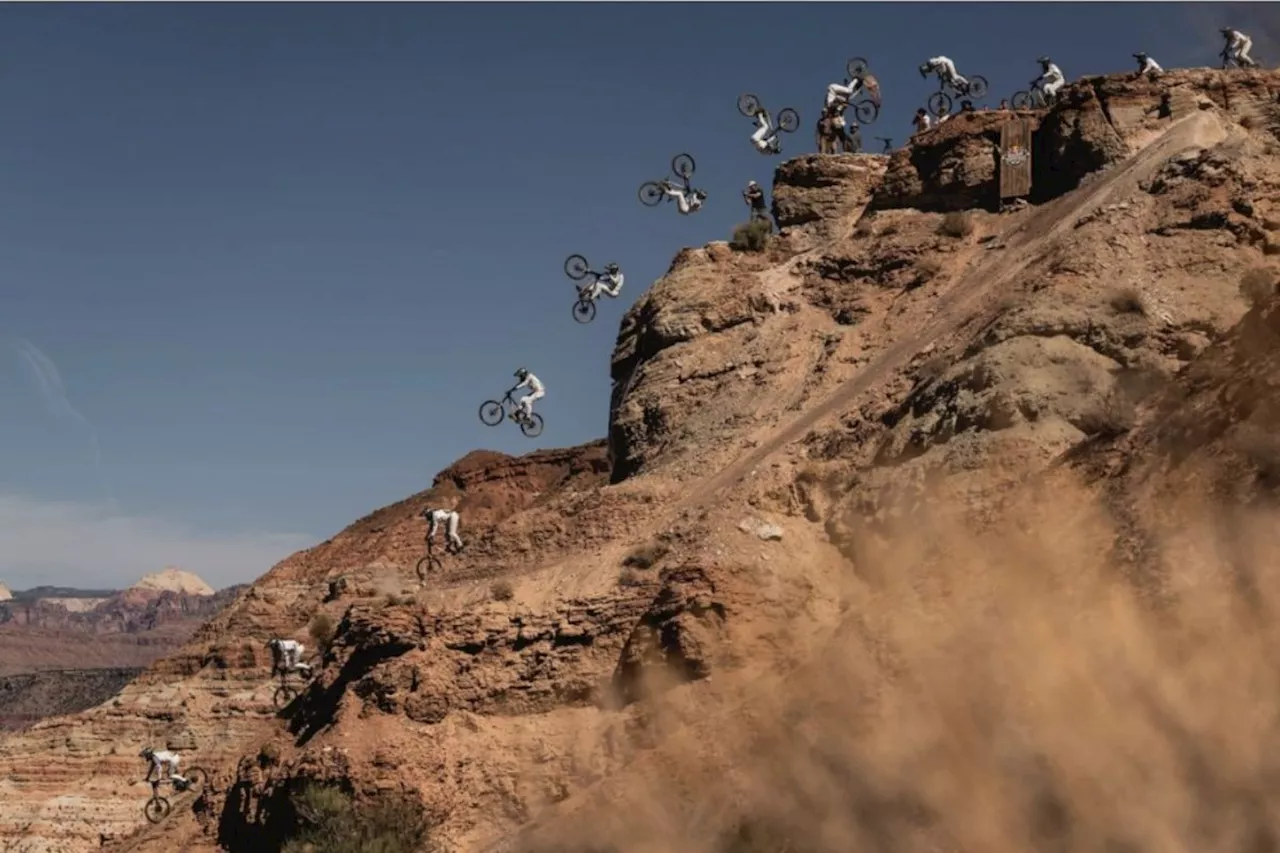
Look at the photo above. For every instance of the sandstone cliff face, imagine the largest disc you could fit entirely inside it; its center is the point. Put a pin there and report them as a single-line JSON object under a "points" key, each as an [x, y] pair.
{"points": [[765, 405]]}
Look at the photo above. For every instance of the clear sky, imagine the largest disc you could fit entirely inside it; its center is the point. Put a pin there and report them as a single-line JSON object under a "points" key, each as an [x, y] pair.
{"points": [[261, 263]]}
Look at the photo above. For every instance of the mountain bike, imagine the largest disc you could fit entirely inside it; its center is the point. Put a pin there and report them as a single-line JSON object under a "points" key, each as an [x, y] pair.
{"points": [[940, 101], [1229, 61], [158, 807], [787, 122], [493, 411], [286, 692], [1031, 99], [864, 111], [577, 268], [429, 563], [652, 192]]}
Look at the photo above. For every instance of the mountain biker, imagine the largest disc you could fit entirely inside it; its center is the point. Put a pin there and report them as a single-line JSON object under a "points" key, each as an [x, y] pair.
{"points": [[287, 657], [687, 200], [946, 71], [1050, 79], [164, 764], [754, 198], [609, 281], [765, 139], [1237, 48], [447, 517], [1147, 65], [537, 391]]}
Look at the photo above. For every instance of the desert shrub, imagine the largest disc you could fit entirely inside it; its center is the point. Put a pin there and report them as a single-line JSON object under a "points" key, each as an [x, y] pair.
{"points": [[1127, 300], [926, 270], [322, 631], [502, 591], [864, 228], [1258, 285], [889, 230], [752, 236], [331, 822], [1114, 415], [645, 556], [630, 577], [957, 223], [933, 368]]}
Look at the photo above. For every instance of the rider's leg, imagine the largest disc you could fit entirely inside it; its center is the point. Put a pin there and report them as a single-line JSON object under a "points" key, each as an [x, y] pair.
{"points": [[762, 129], [682, 201], [837, 92], [1051, 89], [526, 402], [452, 532], [1242, 52], [592, 291]]}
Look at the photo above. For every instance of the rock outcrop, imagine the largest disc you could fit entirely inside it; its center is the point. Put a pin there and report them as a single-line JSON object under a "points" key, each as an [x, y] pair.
{"points": [[173, 579], [619, 603]]}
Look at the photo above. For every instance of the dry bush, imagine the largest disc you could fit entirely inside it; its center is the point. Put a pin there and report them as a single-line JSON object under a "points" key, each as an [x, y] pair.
{"points": [[502, 590], [889, 230], [646, 555], [864, 228], [630, 577], [956, 224], [268, 754], [330, 821], [932, 368], [1010, 690], [1127, 300], [926, 270], [1113, 415], [322, 631], [1258, 285], [752, 236]]}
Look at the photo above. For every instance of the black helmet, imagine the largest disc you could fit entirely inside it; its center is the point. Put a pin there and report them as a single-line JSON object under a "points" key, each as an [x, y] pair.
{"points": [[522, 373], [1226, 31], [147, 752], [924, 69], [611, 267], [1139, 56], [1044, 60], [700, 193]]}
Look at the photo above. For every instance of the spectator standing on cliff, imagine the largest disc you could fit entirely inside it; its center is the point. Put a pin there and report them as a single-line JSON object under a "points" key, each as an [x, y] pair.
{"points": [[922, 121], [753, 196]]}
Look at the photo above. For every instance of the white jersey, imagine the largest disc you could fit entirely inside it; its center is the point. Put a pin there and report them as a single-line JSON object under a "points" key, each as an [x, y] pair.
{"points": [[532, 383], [1236, 38], [612, 280], [1052, 75], [437, 516], [164, 756], [939, 62]]}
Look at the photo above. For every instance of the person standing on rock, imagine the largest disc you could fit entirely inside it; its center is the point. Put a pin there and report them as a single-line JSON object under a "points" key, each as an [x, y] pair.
{"points": [[164, 764], [922, 122], [448, 518], [754, 197], [1147, 65], [1237, 49]]}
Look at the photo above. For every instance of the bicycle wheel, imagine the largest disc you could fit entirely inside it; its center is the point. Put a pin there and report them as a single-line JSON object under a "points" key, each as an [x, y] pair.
{"points": [[939, 103], [427, 565], [157, 809], [532, 425], [866, 112], [491, 413], [576, 267], [584, 310], [1021, 100], [856, 67], [651, 193], [682, 165], [284, 695], [748, 104], [788, 120], [197, 779], [977, 86]]}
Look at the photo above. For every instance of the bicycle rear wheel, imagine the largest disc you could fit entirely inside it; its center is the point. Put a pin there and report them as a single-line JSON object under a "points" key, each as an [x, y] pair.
{"points": [[651, 194], [856, 67], [939, 103], [197, 779], [584, 311], [977, 86], [427, 565], [532, 425], [788, 120], [866, 112], [576, 266], [748, 104], [1021, 100], [284, 694], [683, 166]]}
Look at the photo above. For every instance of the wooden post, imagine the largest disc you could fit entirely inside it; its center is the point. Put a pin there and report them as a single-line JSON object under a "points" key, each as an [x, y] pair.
{"points": [[1015, 159]]}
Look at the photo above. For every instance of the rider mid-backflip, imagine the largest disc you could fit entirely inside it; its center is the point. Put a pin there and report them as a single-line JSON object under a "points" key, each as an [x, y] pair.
{"points": [[1237, 48], [164, 764], [688, 200], [1050, 79], [608, 282], [448, 518], [537, 392], [946, 71], [286, 657], [765, 139]]}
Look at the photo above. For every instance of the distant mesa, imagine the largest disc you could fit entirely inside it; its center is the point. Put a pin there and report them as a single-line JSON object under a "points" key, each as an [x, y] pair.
{"points": [[5, 595], [173, 579]]}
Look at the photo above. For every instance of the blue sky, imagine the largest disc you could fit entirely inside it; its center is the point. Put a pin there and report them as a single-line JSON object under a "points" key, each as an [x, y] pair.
{"points": [[261, 263]]}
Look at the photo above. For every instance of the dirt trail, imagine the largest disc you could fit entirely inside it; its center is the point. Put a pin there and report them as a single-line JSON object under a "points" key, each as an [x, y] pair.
{"points": [[1200, 129]]}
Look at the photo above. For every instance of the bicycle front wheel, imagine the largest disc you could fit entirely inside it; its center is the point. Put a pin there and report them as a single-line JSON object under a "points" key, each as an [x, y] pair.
{"points": [[157, 809]]}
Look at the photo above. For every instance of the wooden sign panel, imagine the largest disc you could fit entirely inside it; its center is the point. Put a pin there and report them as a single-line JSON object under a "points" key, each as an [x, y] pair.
{"points": [[1015, 159]]}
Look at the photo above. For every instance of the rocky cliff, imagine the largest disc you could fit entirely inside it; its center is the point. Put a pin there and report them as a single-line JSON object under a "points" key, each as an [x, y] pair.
{"points": [[766, 593]]}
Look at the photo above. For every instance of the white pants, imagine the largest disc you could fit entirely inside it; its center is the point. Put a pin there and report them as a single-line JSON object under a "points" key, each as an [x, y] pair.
{"points": [[1240, 53], [526, 402], [1150, 67], [593, 291], [678, 194], [837, 92], [758, 139], [947, 74], [169, 770], [1051, 89], [450, 527]]}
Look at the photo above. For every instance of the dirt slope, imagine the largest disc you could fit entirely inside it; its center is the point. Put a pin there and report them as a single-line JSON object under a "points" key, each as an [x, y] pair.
{"points": [[606, 650]]}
